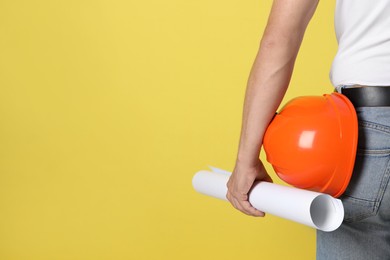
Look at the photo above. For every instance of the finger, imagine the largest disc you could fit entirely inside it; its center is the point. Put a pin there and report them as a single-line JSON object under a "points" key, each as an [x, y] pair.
{"points": [[250, 210], [234, 201], [246, 208]]}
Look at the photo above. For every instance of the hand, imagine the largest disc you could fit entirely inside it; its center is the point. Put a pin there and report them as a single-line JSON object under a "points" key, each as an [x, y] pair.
{"points": [[240, 183]]}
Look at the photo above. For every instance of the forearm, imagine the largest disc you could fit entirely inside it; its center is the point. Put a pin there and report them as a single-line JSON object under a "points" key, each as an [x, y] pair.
{"points": [[270, 77], [267, 85]]}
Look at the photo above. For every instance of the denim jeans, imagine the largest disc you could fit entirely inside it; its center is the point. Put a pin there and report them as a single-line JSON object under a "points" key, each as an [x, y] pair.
{"points": [[365, 232]]}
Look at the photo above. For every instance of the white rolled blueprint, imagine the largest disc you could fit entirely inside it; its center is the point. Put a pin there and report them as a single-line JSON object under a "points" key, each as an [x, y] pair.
{"points": [[317, 210]]}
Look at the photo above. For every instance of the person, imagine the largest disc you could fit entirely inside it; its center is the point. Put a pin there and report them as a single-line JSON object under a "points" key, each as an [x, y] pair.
{"points": [[361, 71]]}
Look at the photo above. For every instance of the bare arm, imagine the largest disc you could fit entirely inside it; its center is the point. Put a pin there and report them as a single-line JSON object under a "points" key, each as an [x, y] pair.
{"points": [[267, 84]]}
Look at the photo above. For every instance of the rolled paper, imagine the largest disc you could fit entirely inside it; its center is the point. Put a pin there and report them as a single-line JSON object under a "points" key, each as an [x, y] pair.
{"points": [[314, 209]]}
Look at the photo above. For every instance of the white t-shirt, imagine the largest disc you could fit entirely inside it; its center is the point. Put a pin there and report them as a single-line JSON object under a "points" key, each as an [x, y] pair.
{"points": [[363, 33]]}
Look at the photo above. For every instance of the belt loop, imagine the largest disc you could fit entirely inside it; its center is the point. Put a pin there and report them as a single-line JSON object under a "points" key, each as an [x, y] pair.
{"points": [[340, 88]]}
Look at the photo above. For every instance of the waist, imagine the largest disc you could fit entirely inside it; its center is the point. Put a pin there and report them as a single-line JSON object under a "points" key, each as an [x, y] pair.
{"points": [[367, 96]]}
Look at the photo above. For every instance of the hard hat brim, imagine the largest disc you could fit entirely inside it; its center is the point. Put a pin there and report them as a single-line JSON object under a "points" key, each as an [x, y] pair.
{"points": [[349, 135]]}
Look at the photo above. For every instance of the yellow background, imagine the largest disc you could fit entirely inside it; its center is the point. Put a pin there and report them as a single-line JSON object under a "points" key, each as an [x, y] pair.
{"points": [[108, 108]]}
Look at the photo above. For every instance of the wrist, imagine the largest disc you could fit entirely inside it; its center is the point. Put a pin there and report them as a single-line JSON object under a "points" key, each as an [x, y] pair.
{"points": [[248, 161]]}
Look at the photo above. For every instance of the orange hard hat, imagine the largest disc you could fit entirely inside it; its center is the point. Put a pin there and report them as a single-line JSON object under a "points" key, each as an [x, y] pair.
{"points": [[311, 143]]}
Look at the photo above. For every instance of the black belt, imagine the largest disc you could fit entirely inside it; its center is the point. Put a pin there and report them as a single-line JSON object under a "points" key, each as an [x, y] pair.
{"points": [[368, 96]]}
